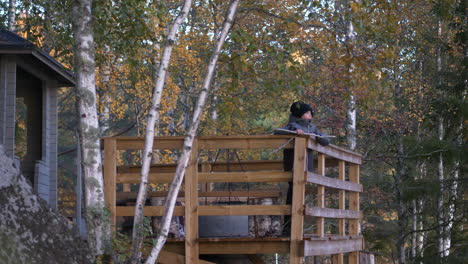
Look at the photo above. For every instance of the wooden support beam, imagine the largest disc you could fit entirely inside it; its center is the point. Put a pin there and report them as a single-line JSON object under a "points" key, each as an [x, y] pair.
{"points": [[214, 194], [336, 152], [245, 210], [327, 247], [212, 210], [333, 183], [321, 194], [332, 213], [207, 186], [256, 176], [208, 142], [167, 257], [259, 247], [110, 172], [234, 247], [339, 258], [148, 210], [244, 142], [297, 210], [191, 207], [243, 165], [354, 205]]}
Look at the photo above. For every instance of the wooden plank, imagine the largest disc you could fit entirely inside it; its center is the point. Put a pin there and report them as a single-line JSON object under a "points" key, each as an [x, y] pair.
{"points": [[233, 247], [260, 247], [342, 197], [138, 143], [354, 199], [336, 152], [206, 167], [244, 210], [244, 143], [237, 194], [233, 142], [339, 258], [167, 257], [149, 210], [332, 213], [321, 194], [135, 177], [354, 228], [212, 210], [327, 247], [191, 207], [333, 183], [110, 171], [297, 210], [243, 165], [259, 176]]}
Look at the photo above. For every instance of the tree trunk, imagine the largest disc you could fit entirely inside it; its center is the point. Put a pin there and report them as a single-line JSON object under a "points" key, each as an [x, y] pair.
{"points": [[189, 138], [96, 214], [442, 236], [11, 15], [351, 133], [153, 118]]}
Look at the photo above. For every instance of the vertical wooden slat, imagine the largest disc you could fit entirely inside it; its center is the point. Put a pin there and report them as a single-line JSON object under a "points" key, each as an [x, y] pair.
{"points": [[297, 207], [354, 205], [191, 207], [206, 187], [110, 173], [126, 187], [338, 258], [321, 195]]}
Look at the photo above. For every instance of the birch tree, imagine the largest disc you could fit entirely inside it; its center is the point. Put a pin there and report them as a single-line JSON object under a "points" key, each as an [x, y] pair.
{"points": [[152, 120], [11, 15], [189, 138], [351, 133], [96, 215]]}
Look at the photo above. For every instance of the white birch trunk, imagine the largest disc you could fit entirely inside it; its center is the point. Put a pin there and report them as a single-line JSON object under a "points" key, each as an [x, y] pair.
{"points": [[189, 138], [441, 240], [11, 15], [453, 187], [351, 133], [153, 118], [97, 224]]}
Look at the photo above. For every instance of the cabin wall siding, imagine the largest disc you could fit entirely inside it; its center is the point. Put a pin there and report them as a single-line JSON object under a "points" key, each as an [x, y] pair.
{"points": [[52, 139], [8, 103]]}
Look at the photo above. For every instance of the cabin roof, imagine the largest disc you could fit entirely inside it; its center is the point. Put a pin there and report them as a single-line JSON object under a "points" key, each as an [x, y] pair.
{"points": [[10, 43]]}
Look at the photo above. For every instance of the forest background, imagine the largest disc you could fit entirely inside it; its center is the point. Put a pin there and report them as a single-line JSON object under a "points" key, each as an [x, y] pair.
{"points": [[402, 62]]}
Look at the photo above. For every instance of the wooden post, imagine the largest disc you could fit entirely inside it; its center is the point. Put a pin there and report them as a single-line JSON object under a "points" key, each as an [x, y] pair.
{"points": [[191, 207], [321, 195], [338, 258], [297, 207], [354, 205], [206, 187], [110, 173]]}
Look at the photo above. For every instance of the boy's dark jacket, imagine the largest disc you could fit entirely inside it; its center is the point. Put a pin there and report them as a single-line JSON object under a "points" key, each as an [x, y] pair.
{"points": [[307, 126]]}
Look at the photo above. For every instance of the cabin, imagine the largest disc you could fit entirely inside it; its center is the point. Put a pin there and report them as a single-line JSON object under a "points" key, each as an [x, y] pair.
{"points": [[29, 81], [219, 221]]}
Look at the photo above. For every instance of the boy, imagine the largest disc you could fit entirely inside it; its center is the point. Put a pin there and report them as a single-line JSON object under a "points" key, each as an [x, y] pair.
{"points": [[300, 121]]}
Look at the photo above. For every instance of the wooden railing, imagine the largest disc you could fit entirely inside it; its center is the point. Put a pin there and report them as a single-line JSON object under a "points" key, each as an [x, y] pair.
{"points": [[298, 244]]}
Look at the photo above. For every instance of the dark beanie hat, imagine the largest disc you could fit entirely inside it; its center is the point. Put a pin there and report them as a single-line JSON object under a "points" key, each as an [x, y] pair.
{"points": [[300, 108]]}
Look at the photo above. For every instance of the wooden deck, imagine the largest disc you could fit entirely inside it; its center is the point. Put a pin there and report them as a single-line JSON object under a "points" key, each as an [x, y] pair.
{"points": [[345, 187]]}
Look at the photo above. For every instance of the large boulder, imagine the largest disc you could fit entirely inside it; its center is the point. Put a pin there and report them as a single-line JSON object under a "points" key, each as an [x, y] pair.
{"points": [[31, 232]]}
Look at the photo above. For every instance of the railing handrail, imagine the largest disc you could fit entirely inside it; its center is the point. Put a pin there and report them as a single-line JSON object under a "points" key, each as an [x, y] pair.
{"points": [[197, 173], [204, 143]]}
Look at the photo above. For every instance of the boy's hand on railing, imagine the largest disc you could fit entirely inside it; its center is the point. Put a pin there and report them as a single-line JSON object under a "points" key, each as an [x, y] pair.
{"points": [[300, 132]]}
